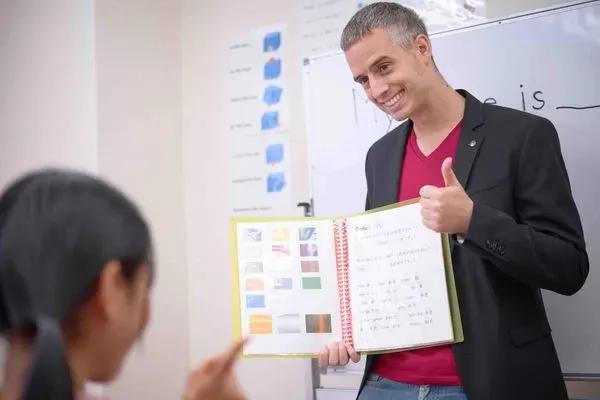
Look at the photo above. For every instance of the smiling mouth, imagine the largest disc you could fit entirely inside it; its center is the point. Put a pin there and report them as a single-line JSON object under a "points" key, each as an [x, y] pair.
{"points": [[394, 100]]}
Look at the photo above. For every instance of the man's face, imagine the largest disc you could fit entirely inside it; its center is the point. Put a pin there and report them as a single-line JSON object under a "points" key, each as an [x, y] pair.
{"points": [[391, 76]]}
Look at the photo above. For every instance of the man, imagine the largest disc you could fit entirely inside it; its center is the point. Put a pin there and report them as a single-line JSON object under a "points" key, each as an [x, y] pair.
{"points": [[505, 201]]}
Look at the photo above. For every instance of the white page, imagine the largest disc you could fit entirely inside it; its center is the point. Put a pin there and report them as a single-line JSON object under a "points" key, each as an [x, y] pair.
{"points": [[288, 286], [397, 281]]}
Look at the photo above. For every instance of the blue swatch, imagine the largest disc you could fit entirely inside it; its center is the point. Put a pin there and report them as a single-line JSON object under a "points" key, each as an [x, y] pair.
{"points": [[272, 41], [272, 94], [255, 301], [275, 182], [274, 153], [269, 120], [272, 69]]}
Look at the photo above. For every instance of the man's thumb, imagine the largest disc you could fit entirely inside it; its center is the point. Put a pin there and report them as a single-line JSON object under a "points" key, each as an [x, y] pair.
{"points": [[449, 178]]}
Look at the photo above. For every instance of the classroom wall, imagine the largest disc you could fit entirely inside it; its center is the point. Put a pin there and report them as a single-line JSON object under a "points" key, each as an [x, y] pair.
{"points": [[138, 52], [208, 28], [97, 86], [47, 85]]}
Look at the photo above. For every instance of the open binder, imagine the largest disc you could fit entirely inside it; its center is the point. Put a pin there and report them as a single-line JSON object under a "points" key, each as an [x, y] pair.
{"points": [[378, 280]]}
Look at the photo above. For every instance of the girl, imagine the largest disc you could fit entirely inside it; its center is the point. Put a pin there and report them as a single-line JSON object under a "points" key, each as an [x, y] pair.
{"points": [[75, 275]]}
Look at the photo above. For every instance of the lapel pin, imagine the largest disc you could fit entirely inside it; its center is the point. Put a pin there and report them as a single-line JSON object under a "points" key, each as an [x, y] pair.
{"points": [[472, 143]]}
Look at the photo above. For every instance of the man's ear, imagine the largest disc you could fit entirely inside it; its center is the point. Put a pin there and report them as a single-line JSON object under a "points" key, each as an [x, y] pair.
{"points": [[423, 47]]}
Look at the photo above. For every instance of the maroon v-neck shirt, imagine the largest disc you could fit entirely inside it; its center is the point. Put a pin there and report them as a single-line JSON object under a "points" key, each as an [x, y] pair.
{"points": [[433, 365]]}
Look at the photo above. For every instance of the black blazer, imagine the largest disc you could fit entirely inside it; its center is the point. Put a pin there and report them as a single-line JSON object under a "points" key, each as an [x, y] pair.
{"points": [[525, 234]]}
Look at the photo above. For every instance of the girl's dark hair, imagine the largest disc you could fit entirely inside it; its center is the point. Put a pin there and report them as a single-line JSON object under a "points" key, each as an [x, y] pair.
{"points": [[58, 229]]}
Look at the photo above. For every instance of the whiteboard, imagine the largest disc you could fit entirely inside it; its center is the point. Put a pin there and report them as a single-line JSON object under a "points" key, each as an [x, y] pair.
{"points": [[546, 63]]}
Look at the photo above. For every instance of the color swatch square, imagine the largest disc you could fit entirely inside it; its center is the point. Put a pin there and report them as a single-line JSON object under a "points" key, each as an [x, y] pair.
{"points": [[272, 69], [283, 283], [261, 324], [254, 284], [275, 182], [318, 323], [271, 41], [272, 95], [309, 250], [269, 120], [274, 153], [255, 301], [309, 266], [311, 283], [288, 323]]}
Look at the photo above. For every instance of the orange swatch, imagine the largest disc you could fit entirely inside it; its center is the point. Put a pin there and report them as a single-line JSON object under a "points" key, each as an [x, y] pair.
{"points": [[261, 324]]}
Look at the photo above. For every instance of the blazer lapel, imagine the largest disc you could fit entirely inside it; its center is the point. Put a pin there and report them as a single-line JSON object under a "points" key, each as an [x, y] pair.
{"points": [[390, 167], [470, 139]]}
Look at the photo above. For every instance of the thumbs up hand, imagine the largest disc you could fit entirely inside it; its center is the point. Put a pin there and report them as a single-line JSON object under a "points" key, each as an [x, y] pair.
{"points": [[450, 180], [447, 209]]}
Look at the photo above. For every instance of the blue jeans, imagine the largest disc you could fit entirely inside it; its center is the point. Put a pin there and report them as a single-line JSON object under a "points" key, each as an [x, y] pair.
{"points": [[379, 388]]}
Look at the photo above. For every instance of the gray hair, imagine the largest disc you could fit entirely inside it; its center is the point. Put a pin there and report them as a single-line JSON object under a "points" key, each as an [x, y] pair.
{"points": [[401, 23]]}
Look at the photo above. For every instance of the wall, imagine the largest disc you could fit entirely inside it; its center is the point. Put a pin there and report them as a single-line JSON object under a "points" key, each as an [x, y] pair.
{"points": [[47, 85], [208, 28], [53, 56], [138, 50]]}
